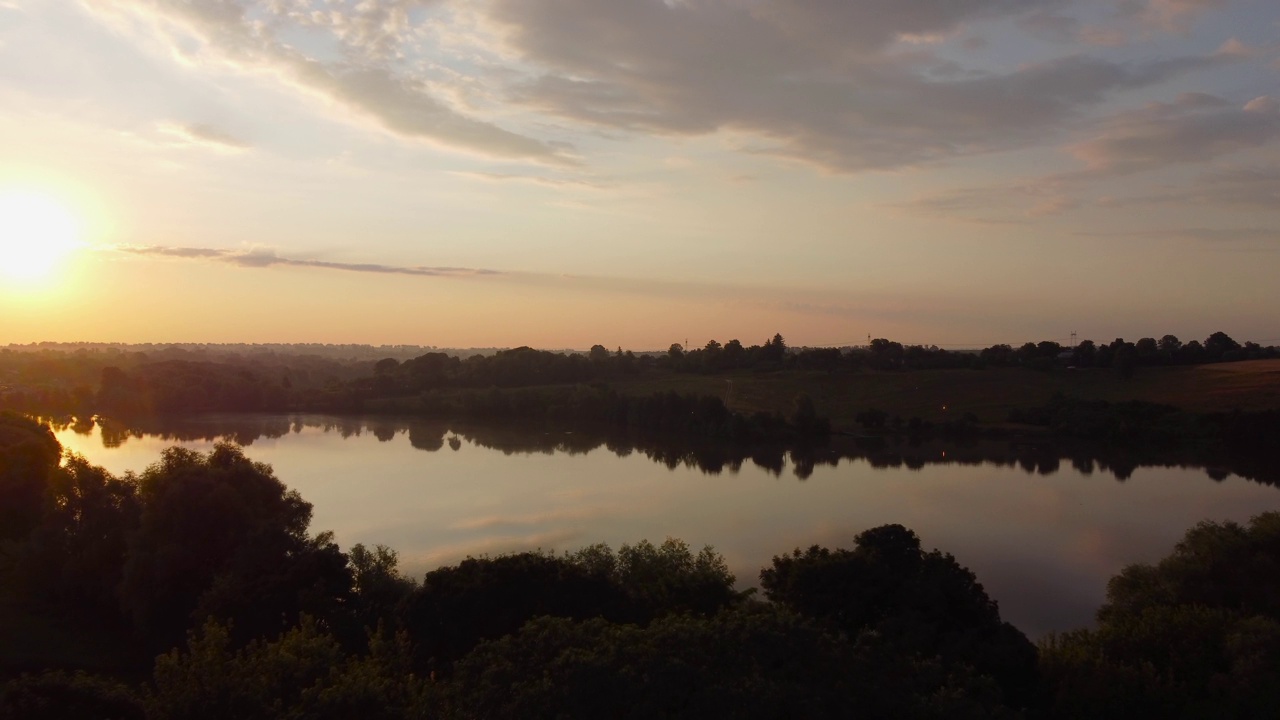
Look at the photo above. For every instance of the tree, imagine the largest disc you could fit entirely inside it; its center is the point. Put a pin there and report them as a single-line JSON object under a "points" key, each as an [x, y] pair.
{"points": [[664, 579], [378, 585], [886, 355], [1085, 354], [774, 350], [1123, 360], [805, 418], [58, 695], [734, 354], [1192, 353], [1219, 344], [220, 536], [457, 607], [29, 454], [76, 554], [712, 356], [1145, 351], [303, 673], [918, 602], [757, 662], [1195, 635], [1048, 349]]}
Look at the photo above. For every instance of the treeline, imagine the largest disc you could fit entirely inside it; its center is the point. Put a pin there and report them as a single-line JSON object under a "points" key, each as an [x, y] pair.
{"points": [[171, 379], [176, 379], [209, 562], [884, 354], [235, 352], [661, 414], [1124, 356], [180, 387], [1135, 421]]}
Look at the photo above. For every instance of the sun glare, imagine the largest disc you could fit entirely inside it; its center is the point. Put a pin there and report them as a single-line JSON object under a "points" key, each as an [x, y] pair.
{"points": [[36, 234]]}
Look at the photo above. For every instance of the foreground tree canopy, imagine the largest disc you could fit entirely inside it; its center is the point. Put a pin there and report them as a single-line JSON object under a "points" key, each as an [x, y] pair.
{"points": [[203, 576]]}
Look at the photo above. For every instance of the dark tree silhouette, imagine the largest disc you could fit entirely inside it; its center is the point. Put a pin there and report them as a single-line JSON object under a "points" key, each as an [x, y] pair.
{"points": [[924, 602], [1196, 635], [28, 457], [220, 536]]}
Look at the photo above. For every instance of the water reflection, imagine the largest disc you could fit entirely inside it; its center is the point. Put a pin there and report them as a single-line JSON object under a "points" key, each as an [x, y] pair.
{"points": [[1043, 525], [1041, 456]]}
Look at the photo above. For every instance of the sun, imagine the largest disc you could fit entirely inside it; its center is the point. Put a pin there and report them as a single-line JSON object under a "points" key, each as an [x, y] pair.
{"points": [[36, 234]]}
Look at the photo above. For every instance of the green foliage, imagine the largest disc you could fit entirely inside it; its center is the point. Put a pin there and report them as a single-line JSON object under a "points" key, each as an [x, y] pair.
{"points": [[220, 536], [804, 418], [1218, 565], [75, 556], [486, 598], [920, 602], [1196, 635], [752, 663], [378, 586], [457, 607], [28, 455], [302, 674], [63, 696], [668, 414], [663, 579]]}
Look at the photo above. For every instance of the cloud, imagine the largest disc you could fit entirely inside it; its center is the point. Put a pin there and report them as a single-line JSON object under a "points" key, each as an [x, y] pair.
{"points": [[746, 299], [1000, 204], [1230, 235], [847, 86], [543, 180], [824, 82], [1194, 128], [1257, 237], [1102, 36], [1247, 187], [1172, 15], [205, 136], [1250, 187], [268, 258], [1052, 26], [377, 30], [363, 79]]}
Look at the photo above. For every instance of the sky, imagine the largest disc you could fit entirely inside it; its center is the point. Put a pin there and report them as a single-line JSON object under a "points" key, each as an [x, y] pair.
{"points": [[633, 173]]}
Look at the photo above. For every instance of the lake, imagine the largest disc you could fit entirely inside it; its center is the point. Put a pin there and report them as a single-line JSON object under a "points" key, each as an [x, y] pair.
{"points": [[1042, 528]]}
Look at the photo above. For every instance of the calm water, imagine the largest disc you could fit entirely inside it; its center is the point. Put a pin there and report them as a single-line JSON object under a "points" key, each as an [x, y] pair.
{"points": [[1043, 537]]}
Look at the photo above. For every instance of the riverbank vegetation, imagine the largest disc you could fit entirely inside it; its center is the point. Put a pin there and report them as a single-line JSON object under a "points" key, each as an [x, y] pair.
{"points": [[197, 589], [940, 387]]}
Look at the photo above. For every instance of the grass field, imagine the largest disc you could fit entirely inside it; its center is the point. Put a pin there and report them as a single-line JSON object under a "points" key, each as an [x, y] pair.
{"points": [[990, 394]]}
